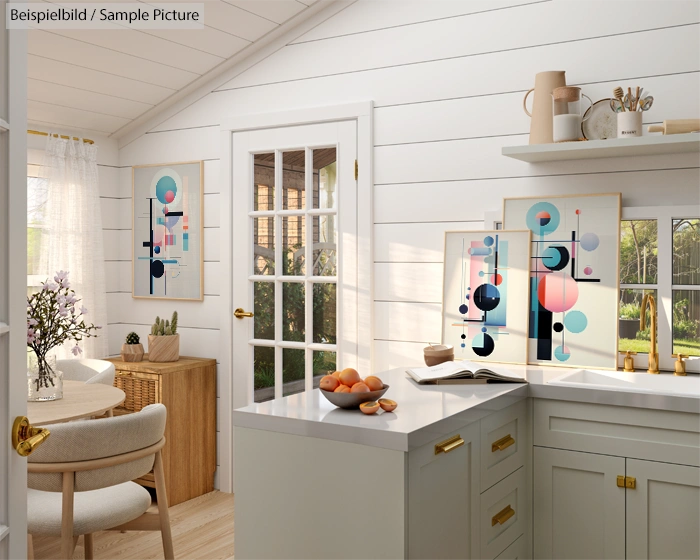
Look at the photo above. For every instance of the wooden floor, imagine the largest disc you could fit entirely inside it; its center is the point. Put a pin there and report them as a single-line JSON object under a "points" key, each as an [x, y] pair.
{"points": [[202, 530]]}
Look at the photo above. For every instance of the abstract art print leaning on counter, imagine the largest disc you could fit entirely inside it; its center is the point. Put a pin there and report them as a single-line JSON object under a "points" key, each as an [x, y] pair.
{"points": [[484, 311], [574, 277], [167, 231]]}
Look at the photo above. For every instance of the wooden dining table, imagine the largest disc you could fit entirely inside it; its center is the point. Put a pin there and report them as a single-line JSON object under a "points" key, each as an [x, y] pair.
{"points": [[80, 400]]}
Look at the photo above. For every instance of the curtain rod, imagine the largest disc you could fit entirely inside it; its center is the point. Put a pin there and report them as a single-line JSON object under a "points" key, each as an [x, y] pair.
{"points": [[40, 133]]}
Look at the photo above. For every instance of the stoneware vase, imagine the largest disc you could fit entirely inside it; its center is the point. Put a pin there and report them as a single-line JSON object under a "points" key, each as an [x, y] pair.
{"points": [[132, 352], [163, 348], [44, 380], [541, 116]]}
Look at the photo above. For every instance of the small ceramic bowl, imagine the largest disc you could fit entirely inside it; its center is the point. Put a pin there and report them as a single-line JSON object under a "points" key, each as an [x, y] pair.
{"points": [[438, 354], [353, 400]]}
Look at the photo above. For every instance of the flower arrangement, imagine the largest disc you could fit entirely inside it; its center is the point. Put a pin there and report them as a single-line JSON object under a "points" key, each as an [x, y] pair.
{"points": [[53, 317]]}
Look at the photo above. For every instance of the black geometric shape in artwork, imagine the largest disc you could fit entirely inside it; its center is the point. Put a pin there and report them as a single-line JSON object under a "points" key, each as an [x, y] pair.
{"points": [[146, 243], [175, 214], [544, 333], [486, 297], [563, 258], [463, 309], [463, 337], [157, 268], [558, 327], [488, 347]]}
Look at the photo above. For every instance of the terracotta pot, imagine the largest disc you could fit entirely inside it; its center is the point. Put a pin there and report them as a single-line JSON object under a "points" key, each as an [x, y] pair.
{"points": [[132, 352], [163, 348], [541, 124]]}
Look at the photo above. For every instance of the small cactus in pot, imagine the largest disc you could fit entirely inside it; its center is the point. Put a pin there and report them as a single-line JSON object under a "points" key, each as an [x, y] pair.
{"points": [[164, 342], [132, 349]]}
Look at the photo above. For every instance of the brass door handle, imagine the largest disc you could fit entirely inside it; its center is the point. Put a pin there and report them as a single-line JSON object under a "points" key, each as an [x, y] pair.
{"points": [[25, 437], [239, 313], [449, 445], [503, 443], [502, 516]]}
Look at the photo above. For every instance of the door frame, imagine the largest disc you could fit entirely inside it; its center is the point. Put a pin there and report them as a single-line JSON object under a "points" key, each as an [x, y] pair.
{"points": [[362, 113]]}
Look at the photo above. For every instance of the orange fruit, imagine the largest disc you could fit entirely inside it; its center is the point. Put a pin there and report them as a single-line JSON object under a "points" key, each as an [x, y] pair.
{"points": [[387, 404], [342, 389], [336, 374], [329, 383], [374, 383], [349, 377], [359, 388], [369, 407]]}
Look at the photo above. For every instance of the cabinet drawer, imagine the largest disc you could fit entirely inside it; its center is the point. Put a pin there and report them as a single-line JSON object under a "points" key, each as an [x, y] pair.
{"points": [[516, 551], [503, 514], [657, 435], [503, 443]]}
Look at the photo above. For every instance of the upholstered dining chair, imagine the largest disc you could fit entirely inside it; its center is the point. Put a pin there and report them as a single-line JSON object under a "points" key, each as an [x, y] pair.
{"points": [[80, 480], [87, 370]]}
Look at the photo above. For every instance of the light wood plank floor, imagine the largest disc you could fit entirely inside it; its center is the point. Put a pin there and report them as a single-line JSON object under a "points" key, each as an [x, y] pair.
{"points": [[202, 530]]}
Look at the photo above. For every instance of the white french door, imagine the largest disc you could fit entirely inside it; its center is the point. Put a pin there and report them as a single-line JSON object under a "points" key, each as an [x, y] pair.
{"points": [[294, 249], [13, 263]]}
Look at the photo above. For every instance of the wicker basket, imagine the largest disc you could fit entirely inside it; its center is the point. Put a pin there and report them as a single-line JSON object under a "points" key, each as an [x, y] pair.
{"points": [[139, 391]]}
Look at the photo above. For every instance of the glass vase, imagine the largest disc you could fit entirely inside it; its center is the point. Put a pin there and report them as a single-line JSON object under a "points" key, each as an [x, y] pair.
{"points": [[44, 380]]}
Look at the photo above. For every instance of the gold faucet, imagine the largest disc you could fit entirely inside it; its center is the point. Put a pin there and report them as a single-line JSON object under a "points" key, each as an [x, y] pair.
{"points": [[653, 354]]}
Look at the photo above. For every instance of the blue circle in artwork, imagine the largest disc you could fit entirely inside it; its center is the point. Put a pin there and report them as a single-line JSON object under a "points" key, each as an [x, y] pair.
{"points": [[463, 309], [575, 321], [463, 345], [542, 218], [156, 250], [466, 297], [483, 329], [481, 273], [163, 186], [488, 241], [562, 353], [483, 344], [487, 297], [589, 242]]}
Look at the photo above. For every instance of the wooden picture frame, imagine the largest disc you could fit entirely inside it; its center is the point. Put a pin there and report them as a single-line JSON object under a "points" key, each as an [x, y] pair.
{"points": [[167, 231]]}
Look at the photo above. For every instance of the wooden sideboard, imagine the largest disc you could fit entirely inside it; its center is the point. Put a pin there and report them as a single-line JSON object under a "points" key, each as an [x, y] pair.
{"points": [[188, 389]]}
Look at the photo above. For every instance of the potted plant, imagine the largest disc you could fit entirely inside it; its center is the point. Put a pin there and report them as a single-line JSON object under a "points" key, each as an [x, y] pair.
{"points": [[132, 349], [164, 342], [53, 317]]}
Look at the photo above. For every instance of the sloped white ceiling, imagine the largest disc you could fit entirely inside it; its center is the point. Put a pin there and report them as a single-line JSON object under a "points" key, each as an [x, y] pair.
{"points": [[97, 80]]}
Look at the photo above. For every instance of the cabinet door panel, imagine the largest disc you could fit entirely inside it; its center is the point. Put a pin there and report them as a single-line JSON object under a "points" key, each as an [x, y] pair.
{"points": [[579, 510], [443, 499], [663, 511]]}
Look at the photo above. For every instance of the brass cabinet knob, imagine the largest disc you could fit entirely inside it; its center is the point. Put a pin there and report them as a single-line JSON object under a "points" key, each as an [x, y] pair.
{"points": [[239, 313], [25, 437]]}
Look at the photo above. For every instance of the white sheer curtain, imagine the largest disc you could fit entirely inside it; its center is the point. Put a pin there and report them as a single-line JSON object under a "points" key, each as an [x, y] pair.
{"points": [[72, 234]]}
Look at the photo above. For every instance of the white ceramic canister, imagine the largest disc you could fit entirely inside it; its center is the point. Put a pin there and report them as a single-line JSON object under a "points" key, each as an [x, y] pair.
{"points": [[629, 124]]}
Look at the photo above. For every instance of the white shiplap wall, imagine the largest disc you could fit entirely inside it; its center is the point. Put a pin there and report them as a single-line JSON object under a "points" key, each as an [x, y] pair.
{"points": [[447, 78]]}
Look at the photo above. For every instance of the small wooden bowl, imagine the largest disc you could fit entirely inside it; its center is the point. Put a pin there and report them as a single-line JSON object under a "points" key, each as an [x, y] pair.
{"points": [[438, 354]]}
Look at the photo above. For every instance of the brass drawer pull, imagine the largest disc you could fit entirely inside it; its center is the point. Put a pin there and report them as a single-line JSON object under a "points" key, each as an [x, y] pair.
{"points": [[449, 445], [501, 444], [502, 516], [626, 482]]}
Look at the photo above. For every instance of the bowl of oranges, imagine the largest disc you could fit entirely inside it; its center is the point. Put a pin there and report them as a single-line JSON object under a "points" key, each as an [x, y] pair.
{"points": [[346, 389]]}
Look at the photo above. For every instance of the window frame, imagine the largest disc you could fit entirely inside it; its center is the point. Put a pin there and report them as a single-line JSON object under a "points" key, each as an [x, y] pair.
{"points": [[664, 215]]}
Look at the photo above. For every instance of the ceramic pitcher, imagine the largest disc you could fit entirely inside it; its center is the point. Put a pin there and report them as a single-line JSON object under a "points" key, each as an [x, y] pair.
{"points": [[541, 123]]}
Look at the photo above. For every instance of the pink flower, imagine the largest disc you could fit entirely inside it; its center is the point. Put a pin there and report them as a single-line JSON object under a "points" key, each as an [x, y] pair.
{"points": [[32, 322], [83, 310], [60, 275], [76, 350], [71, 299], [65, 284], [31, 337], [53, 287], [61, 299], [62, 311]]}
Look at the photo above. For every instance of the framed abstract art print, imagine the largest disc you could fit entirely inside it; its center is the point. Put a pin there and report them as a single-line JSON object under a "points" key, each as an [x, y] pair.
{"points": [[574, 277], [167, 232], [485, 292]]}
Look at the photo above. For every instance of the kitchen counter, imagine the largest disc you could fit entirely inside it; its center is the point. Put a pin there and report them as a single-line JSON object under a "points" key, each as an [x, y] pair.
{"points": [[426, 412]]}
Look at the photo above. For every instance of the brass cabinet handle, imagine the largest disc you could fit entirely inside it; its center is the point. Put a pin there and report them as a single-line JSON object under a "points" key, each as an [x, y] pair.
{"points": [[502, 516], [626, 482], [501, 444], [449, 445], [239, 313], [25, 437]]}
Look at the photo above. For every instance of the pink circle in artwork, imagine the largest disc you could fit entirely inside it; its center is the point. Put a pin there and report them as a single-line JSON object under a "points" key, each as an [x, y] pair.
{"points": [[159, 233], [578, 211], [496, 279], [165, 209], [588, 271], [557, 292], [169, 196]]}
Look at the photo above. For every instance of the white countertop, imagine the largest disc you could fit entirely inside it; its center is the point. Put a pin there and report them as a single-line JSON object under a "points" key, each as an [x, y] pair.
{"points": [[426, 412]]}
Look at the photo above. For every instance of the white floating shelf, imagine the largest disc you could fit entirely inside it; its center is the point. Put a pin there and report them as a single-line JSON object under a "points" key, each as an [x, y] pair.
{"points": [[614, 147]]}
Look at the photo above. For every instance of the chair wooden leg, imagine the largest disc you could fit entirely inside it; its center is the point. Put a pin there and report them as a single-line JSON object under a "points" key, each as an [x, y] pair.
{"points": [[162, 497], [109, 413], [67, 544], [89, 547], [30, 547]]}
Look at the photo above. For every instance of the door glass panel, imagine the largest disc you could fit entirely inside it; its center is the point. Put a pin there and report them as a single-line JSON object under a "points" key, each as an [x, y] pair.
{"points": [[264, 181], [263, 373], [324, 313], [686, 251], [293, 370], [293, 252], [325, 245], [686, 322], [631, 336], [638, 252], [293, 180], [324, 364], [325, 181], [264, 246], [264, 310], [294, 311]]}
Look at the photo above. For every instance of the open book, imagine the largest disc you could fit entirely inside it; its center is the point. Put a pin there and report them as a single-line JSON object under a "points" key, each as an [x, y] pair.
{"points": [[464, 372]]}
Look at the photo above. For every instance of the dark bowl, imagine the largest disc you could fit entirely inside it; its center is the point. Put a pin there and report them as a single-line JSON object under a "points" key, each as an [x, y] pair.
{"points": [[353, 400]]}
